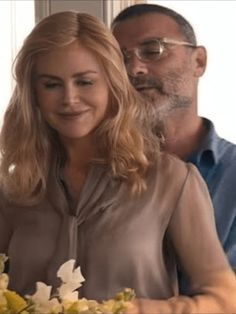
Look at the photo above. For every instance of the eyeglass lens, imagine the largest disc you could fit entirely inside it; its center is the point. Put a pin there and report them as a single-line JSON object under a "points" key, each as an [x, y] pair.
{"points": [[148, 51]]}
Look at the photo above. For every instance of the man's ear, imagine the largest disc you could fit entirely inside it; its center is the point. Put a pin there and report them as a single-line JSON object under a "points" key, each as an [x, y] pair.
{"points": [[200, 60]]}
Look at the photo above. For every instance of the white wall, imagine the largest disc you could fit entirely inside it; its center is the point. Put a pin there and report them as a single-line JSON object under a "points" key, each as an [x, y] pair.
{"points": [[16, 21], [94, 7], [215, 25]]}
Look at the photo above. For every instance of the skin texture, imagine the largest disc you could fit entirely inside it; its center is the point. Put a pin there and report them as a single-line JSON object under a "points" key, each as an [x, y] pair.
{"points": [[72, 94], [170, 82]]}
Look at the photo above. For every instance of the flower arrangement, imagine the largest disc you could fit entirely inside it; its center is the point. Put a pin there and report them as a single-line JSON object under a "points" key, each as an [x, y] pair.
{"points": [[66, 301]]}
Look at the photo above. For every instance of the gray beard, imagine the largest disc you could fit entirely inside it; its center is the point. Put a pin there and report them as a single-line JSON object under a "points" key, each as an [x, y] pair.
{"points": [[159, 109], [164, 99]]}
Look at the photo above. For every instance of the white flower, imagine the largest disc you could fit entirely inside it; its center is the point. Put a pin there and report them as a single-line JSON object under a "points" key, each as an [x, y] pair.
{"points": [[67, 301], [71, 280], [42, 301], [67, 273]]}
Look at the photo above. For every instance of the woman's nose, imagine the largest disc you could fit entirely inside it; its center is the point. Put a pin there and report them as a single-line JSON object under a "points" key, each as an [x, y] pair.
{"points": [[71, 94]]}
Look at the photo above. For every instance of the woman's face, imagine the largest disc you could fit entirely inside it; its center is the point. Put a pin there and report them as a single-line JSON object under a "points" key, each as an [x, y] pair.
{"points": [[71, 91]]}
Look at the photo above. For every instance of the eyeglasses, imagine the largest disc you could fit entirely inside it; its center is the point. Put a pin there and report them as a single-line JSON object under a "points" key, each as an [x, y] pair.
{"points": [[153, 49]]}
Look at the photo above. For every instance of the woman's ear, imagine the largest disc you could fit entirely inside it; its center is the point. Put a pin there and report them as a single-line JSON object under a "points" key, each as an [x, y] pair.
{"points": [[200, 60]]}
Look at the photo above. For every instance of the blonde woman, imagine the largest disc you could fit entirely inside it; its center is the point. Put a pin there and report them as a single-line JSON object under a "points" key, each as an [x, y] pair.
{"points": [[82, 177]]}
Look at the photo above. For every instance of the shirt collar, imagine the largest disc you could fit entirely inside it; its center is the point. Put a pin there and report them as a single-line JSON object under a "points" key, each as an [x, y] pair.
{"points": [[209, 149]]}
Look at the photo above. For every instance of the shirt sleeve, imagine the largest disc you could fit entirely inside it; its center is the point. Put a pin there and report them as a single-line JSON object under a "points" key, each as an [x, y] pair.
{"points": [[192, 229], [193, 234], [230, 245]]}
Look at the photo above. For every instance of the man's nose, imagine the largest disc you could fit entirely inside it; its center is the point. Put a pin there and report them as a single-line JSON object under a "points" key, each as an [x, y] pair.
{"points": [[136, 67]]}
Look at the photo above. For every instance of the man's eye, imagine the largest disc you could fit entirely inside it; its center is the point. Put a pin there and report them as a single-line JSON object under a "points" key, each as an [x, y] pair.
{"points": [[151, 52], [126, 57]]}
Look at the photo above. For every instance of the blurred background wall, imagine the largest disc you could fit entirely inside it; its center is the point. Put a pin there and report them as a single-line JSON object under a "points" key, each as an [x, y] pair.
{"points": [[214, 22]]}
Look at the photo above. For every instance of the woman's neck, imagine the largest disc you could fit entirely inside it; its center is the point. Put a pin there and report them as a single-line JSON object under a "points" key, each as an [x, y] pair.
{"points": [[79, 152]]}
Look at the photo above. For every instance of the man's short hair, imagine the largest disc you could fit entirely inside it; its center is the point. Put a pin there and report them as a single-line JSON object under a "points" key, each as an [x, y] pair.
{"points": [[142, 9]]}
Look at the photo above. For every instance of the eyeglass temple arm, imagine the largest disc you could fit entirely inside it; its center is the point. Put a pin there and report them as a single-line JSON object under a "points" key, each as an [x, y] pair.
{"points": [[177, 42]]}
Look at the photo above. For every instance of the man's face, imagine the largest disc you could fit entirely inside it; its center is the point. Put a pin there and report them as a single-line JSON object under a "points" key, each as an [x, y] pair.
{"points": [[169, 82]]}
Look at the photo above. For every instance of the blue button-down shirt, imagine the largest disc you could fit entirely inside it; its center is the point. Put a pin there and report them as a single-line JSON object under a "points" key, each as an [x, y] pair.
{"points": [[216, 161]]}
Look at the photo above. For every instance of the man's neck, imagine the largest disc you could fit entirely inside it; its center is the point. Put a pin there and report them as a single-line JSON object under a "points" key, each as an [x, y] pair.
{"points": [[183, 136]]}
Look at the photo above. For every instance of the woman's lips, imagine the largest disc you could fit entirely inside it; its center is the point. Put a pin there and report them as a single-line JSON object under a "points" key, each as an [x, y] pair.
{"points": [[72, 115]]}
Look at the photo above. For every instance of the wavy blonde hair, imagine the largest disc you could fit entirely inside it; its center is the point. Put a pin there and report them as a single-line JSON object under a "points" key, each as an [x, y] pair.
{"points": [[28, 145]]}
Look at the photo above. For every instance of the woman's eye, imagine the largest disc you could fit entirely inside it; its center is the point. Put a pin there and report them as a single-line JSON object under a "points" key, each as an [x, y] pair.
{"points": [[84, 83], [52, 85]]}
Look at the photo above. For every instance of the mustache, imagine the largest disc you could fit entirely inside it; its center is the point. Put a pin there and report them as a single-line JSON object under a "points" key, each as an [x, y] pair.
{"points": [[147, 82]]}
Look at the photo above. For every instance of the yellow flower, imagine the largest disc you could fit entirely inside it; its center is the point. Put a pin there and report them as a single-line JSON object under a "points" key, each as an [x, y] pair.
{"points": [[3, 259], [119, 304], [66, 301], [82, 306], [3, 304], [14, 301], [4, 280]]}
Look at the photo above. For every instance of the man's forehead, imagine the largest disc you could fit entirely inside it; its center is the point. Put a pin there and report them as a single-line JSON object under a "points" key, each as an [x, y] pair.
{"points": [[138, 29]]}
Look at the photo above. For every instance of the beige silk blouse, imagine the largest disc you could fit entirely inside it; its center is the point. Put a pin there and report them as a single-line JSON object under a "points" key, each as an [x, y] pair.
{"points": [[123, 241]]}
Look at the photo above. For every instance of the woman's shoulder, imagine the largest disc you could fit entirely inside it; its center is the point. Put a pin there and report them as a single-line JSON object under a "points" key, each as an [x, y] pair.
{"points": [[171, 171], [169, 164], [171, 179]]}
